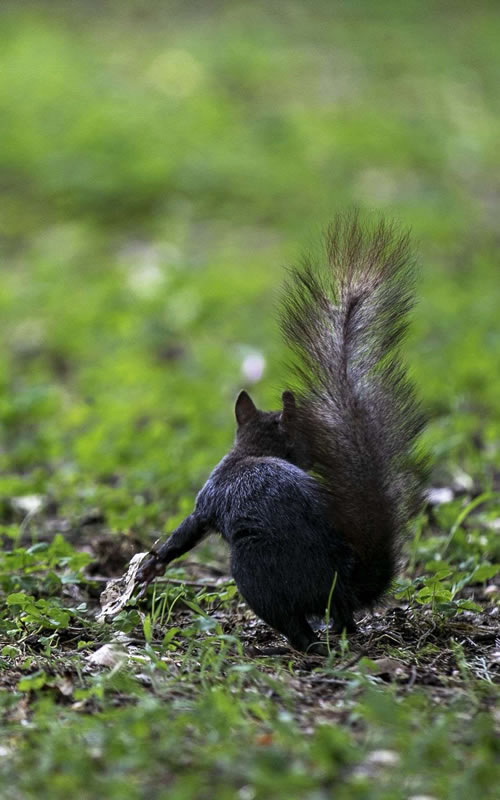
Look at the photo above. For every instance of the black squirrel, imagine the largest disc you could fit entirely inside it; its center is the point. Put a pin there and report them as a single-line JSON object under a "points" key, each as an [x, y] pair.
{"points": [[314, 500]]}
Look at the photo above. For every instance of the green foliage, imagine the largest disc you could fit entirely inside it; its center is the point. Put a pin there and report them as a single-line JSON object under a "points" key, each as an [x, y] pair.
{"points": [[160, 162]]}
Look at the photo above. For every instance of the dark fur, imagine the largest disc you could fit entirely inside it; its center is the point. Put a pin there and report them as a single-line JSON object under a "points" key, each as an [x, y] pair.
{"points": [[296, 539]]}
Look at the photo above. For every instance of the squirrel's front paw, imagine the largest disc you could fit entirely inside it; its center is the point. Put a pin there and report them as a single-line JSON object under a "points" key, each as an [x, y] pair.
{"points": [[148, 571]]}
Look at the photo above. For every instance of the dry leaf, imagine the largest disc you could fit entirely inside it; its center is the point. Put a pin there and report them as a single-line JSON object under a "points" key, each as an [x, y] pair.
{"points": [[118, 591], [109, 655]]}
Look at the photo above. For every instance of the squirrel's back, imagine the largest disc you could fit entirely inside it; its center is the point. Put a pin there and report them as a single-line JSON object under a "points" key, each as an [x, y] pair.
{"points": [[260, 493]]}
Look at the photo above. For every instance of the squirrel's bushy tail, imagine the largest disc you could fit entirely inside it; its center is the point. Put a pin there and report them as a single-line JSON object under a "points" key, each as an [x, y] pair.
{"points": [[344, 321]]}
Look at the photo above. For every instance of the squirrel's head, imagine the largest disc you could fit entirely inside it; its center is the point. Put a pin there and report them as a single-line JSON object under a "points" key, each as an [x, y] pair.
{"points": [[269, 433]]}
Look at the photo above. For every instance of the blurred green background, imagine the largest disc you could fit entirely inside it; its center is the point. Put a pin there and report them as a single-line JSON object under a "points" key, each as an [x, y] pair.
{"points": [[161, 162]]}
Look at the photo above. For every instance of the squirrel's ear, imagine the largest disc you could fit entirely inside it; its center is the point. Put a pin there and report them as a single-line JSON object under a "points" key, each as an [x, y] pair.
{"points": [[244, 408], [289, 408]]}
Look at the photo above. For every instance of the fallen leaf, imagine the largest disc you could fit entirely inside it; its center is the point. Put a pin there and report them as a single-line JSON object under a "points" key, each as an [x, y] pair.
{"points": [[118, 591], [109, 655]]}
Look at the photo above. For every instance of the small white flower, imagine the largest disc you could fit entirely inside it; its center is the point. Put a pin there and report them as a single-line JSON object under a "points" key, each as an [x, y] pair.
{"points": [[383, 758], [29, 503], [436, 496], [253, 366]]}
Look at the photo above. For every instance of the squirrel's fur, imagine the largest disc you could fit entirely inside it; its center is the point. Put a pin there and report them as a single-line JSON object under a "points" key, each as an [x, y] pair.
{"points": [[314, 499], [345, 320]]}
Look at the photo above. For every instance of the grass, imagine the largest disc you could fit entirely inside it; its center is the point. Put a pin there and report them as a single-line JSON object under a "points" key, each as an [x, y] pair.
{"points": [[160, 163]]}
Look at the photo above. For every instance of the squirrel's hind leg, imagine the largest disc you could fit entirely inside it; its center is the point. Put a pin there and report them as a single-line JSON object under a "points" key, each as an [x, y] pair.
{"points": [[348, 625], [336, 626], [296, 629], [298, 632], [260, 594]]}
